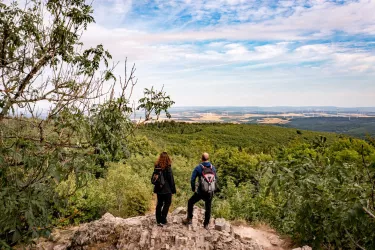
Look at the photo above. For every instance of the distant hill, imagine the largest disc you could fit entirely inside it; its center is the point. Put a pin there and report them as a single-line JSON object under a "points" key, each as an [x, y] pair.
{"points": [[359, 127], [256, 137], [354, 121], [271, 109]]}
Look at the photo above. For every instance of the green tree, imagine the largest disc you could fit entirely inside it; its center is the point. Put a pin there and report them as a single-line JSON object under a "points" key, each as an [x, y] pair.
{"points": [[327, 196], [42, 62], [155, 101]]}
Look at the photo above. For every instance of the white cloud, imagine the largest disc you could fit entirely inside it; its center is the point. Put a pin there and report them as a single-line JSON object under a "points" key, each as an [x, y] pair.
{"points": [[248, 49], [189, 56], [121, 6], [121, 44]]}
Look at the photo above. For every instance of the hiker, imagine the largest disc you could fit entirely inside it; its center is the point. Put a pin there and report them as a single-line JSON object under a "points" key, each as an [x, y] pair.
{"points": [[163, 180], [205, 190]]}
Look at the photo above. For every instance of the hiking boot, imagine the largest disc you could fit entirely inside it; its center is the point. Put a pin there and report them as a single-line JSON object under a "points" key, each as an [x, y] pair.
{"points": [[205, 226], [160, 225], [187, 221]]}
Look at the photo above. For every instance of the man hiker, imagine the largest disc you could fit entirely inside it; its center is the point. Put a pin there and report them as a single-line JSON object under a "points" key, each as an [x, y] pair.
{"points": [[206, 173]]}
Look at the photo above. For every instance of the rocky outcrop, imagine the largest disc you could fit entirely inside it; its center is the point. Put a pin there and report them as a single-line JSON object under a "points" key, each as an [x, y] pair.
{"points": [[111, 232], [139, 233]]}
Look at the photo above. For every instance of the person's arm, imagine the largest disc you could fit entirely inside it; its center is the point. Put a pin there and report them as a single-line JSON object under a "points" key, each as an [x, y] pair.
{"points": [[193, 177]]}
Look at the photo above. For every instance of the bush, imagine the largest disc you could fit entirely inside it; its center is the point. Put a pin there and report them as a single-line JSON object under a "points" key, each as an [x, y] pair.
{"points": [[127, 193], [122, 192]]}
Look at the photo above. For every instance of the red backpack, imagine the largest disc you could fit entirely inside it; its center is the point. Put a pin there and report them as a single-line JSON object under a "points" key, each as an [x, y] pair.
{"points": [[207, 182]]}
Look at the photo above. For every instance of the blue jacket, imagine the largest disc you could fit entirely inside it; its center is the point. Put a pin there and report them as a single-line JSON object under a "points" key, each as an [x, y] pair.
{"points": [[197, 172]]}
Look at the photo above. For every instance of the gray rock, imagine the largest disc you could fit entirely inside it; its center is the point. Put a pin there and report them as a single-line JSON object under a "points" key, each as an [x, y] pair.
{"points": [[154, 232], [108, 216], [228, 227], [306, 248], [177, 220], [60, 247], [142, 233], [144, 239], [228, 239], [303, 248], [274, 240], [237, 236], [179, 210], [181, 241], [220, 224], [223, 225]]}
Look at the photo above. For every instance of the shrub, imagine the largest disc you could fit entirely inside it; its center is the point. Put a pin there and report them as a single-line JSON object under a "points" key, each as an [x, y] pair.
{"points": [[122, 192]]}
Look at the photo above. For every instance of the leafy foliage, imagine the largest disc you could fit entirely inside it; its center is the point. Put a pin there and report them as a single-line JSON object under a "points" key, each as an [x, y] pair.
{"points": [[122, 192], [110, 127], [319, 189], [155, 101], [49, 161], [325, 198], [30, 45]]}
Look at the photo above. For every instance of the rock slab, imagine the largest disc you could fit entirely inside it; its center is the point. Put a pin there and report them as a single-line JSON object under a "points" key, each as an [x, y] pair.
{"points": [[141, 233], [111, 233]]}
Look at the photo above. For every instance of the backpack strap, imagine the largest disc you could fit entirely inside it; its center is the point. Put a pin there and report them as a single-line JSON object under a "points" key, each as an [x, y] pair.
{"points": [[205, 167], [203, 175], [158, 169]]}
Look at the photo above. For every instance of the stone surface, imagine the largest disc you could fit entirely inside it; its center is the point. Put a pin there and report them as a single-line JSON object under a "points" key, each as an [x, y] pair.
{"points": [[274, 240], [303, 248], [179, 210], [177, 220], [306, 248], [220, 224], [142, 233]]}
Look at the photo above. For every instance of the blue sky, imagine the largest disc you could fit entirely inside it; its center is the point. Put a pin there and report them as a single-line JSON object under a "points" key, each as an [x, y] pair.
{"points": [[244, 53]]}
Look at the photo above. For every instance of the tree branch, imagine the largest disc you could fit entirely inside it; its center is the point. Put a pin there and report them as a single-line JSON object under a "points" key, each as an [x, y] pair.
{"points": [[368, 212], [43, 61]]}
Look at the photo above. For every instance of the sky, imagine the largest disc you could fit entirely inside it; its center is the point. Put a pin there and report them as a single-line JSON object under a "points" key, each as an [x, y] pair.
{"points": [[244, 52]]}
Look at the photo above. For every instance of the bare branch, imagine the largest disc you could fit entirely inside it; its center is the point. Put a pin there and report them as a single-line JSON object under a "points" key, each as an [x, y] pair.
{"points": [[368, 212]]}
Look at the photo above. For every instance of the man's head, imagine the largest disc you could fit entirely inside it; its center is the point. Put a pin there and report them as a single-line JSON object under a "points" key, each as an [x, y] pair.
{"points": [[205, 156]]}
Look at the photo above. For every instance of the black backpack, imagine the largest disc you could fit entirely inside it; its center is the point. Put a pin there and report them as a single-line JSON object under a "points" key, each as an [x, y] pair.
{"points": [[157, 177], [207, 182]]}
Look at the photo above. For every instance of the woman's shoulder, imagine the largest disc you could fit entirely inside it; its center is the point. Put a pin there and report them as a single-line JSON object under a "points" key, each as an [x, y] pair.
{"points": [[157, 168]]}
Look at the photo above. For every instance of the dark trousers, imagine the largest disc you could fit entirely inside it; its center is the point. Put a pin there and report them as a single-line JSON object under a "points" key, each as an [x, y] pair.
{"points": [[207, 203], [162, 207]]}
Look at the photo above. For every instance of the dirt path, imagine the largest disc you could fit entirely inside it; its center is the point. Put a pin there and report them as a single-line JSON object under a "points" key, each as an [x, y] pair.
{"points": [[263, 236]]}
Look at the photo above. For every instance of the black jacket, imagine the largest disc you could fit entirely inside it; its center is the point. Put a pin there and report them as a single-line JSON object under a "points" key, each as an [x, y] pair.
{"points": [[169, 186]]}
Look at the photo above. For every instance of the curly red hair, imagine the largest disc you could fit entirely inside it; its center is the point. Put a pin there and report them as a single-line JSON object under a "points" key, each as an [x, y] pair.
{"points": [[163, 161]]}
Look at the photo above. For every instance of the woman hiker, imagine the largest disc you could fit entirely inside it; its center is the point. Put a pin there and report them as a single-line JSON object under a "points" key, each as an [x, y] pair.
{"points": [[164, 187]]}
